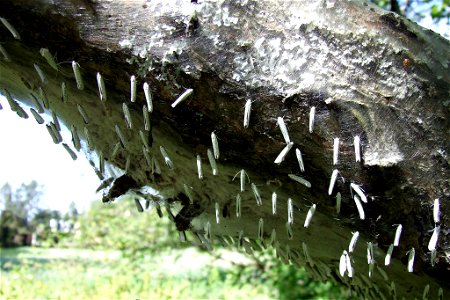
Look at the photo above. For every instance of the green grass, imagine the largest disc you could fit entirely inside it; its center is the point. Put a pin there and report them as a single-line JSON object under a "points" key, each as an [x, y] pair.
{"points": [[34, 273]]}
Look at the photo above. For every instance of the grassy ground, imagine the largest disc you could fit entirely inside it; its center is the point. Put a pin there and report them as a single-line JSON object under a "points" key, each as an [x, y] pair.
{"points": [[34, 273]]}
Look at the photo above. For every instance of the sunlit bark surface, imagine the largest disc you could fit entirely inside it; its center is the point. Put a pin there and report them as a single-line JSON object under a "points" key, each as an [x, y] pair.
{"points": [[240, 66]]}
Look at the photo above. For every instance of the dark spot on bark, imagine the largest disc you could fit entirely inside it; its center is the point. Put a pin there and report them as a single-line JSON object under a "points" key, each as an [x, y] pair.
{"points": [[225, 212], [396, 24], [187, 213], [119, 187]]}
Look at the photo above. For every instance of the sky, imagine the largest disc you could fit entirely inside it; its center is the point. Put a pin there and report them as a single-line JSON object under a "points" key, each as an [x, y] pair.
{"points": [[28, 153]]}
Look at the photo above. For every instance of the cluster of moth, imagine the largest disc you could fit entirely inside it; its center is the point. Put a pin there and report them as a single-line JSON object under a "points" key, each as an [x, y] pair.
{"points": [[345, 262]]}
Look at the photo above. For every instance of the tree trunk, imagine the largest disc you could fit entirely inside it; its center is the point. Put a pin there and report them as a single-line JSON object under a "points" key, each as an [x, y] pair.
{"points": [[242, 67]]}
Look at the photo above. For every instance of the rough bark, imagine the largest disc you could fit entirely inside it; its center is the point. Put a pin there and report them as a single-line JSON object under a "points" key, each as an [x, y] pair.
{"points": [[368, 73]]}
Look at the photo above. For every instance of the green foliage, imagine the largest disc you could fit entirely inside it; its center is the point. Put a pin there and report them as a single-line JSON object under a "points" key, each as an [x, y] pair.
{"points": [[418, 9], [18, 208], [119, 226], [31, 273]]}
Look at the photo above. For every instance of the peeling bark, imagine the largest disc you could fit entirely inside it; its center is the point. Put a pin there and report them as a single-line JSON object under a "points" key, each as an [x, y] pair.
{"points": [[367, 73]]}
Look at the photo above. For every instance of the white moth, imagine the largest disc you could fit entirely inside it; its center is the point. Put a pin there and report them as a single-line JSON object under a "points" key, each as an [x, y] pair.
{"points": [[280, 158], [343, 264], [12, 103], [371, 267], [359, 207], [11, 28], [4, 53], [70, 151], [88, 138], [289, 232], [398, 233], [144, 139], [306, 254], [49, 58], [120, 135], [21, 112], [241, 238], [261, 229], [146, 118], [40, 73], [148, 96], [333, 178], [441, 294], [126, 112], [83, 114], [37, 104], [216, 206], [147, 156], [169, 212], [349, 265], [312, 112], [166, 157], [133, 88], [426, 291], [433, 257], [101, 87], [56, 132], [256, 193], [101, 160], [182, 235], [298, 153], [436, 212], [370, 258], [182, 97], [37, 116], [351, 246], [212, 162], [338, 202], [44, 98], [387, 259], [138, 205], [309, 215], [242, 175], [155, 166], [273, 237], [56, 121], [64, 96], [215, 145], [238, 205], [115, 150], [274, 204], [52, 134], [283, 129], [393, 290], [290, 210], [188, 190], [77, 73], [412, 253], [199, 167], [300, 180], [335, 151], [357, 144], [359, 191], [434, 238], [247, 112]]}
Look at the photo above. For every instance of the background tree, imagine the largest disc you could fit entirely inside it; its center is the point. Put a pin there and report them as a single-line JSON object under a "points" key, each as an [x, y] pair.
{"points": [[417, 10], [19, 207]]}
